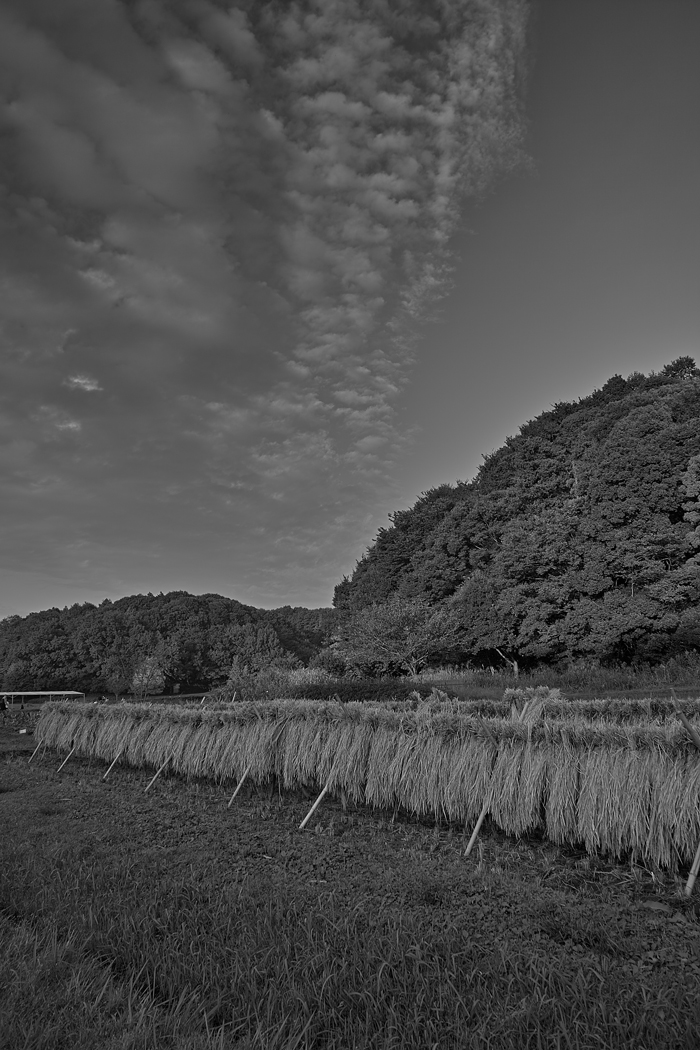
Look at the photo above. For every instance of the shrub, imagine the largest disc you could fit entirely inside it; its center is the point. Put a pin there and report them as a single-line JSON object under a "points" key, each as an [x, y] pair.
{"points": [[360, 690]]}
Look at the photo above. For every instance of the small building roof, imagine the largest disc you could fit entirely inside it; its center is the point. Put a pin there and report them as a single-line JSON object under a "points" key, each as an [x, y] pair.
{"points": [[40, 692]]}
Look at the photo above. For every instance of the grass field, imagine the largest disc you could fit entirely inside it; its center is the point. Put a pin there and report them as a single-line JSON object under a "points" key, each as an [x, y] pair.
{"points": [[168, 920]]}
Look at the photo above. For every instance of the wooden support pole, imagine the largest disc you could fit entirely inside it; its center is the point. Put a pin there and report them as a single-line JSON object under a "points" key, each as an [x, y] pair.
{"points": [[112, 765], [238, 787], [475, 832], [316, 804], [485, 807], [34, 752], [66, 759], [151, 782]]}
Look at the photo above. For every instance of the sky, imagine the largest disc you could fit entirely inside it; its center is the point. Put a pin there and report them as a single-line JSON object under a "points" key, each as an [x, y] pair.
{"points": [[268, 271]]}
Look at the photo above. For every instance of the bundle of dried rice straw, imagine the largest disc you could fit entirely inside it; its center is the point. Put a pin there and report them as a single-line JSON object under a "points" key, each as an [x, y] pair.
{"points": [[615, 788]]}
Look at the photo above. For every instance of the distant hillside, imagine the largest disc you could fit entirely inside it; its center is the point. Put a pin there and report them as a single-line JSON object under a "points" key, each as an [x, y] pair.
{"points": [[303, 632], [158, 641], [579, 538]]}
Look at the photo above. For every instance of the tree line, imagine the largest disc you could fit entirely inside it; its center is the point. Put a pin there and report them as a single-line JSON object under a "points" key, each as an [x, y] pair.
{"points": [[578, 539], [156, 643]]}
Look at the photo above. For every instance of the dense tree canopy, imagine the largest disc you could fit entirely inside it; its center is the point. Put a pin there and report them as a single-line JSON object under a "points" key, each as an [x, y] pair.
{"points": [[580, 537], [401, 634], [146, 643]]}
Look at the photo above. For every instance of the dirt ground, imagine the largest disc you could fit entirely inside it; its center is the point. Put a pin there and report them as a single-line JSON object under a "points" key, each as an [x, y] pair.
{"points": [[12, 741]]}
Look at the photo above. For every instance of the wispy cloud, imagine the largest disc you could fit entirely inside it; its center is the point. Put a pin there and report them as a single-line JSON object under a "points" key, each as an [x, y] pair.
{"points": [[235, 217], [83, 383]]}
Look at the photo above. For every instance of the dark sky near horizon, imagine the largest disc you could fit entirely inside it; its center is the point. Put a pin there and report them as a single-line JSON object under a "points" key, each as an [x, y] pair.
{"points": [[214, 248]]}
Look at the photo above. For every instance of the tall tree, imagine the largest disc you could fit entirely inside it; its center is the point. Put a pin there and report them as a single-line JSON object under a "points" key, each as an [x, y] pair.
{"points": [[403, 634]]}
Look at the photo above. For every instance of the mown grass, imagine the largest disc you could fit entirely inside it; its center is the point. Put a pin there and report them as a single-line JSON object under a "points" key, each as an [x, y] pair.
{"points": [[116, 952]]}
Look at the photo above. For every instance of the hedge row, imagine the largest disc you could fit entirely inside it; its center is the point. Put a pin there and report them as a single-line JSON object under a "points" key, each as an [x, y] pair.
{"points": [[359, 691]]}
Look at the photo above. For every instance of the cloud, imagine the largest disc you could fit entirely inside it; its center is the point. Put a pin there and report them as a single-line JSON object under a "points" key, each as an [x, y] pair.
{"points": [[83, 383], [50, 418], [236, 216]]}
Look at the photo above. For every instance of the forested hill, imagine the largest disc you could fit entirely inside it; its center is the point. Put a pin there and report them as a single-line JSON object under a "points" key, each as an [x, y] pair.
{"points": [[578, 538], [150, 642]]}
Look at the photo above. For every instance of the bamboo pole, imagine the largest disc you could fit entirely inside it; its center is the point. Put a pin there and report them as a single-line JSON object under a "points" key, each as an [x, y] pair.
{"points": [[316, 804], [34, 752], [66, 759], [112, 765], [475, 832], [151, 782], [238, 786]]}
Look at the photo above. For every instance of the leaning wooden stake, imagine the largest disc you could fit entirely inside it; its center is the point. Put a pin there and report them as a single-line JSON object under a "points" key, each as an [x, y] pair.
{"points": [[112, 765], [66, 759], [157, 774], [485, 807], [238, 787], [316, 804], [34, 751], [475, 832]]}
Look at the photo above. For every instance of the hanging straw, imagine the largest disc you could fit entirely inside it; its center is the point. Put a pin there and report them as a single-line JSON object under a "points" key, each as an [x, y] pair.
{"points": [[695, 737], [528, 714], [273, 743]]}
